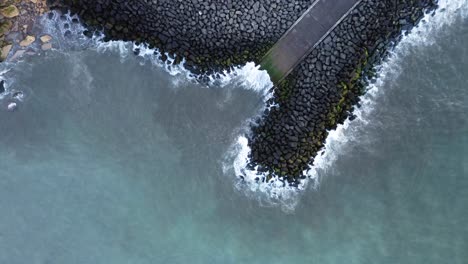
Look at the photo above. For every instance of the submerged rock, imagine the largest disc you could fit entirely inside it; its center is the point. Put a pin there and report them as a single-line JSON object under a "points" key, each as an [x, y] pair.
{"points": [[18, 95], [46, 46], [18, 54]]}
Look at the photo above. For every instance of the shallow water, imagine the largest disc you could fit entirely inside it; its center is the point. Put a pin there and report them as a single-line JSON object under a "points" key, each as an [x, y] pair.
{"points": [[111, 161]]}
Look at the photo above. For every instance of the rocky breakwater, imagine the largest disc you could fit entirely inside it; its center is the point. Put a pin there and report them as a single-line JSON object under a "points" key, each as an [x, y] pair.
{"points": [[211, 35], [17, 18], [214, 35], [323, 90]]}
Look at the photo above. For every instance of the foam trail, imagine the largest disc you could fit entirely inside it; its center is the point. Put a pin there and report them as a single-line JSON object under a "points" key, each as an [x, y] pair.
{"points": [[68, 35], [276, 192]]}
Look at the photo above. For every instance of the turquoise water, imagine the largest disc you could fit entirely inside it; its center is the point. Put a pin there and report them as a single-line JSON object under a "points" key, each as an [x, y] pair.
{"points": [[110, 161]]}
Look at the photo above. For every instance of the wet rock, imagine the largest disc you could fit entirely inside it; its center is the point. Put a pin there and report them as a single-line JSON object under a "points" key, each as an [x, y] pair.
{"points": [[2, 86], [18, 54], [45, 38], [18, 95], [27, 41], [5, 51]]}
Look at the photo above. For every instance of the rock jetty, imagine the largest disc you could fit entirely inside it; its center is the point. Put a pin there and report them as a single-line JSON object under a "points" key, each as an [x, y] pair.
{"points": [[216, 35]]}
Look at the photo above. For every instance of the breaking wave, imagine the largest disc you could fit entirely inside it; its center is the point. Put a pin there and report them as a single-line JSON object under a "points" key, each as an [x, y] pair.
{"points": [[68, 35]]}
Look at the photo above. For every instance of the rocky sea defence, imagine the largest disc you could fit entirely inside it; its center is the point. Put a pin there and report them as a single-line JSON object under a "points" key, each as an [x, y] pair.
{"points": [[213, 36]]}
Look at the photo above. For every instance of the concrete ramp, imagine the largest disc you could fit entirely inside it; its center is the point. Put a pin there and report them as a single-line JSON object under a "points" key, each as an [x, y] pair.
{"points": [[308, 31]]}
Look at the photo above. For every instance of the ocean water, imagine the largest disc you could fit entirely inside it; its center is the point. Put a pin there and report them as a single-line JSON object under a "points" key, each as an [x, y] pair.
{"points": [[113, 158]]}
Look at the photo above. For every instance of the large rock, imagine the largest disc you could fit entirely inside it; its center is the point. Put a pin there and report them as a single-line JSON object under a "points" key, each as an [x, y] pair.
{"points": [[9, 11], [5, 51], [45, 38], [27, 41]]}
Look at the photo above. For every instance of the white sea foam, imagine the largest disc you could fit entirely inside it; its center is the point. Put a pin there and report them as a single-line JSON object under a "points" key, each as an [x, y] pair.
{"points": [[274, 192], [68, 35], [249, 77]]}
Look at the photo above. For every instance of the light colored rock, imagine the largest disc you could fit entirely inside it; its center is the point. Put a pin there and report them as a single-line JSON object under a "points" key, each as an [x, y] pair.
{"points": [[45, 38], [46, 46], [10, 11], [27, 41], [5, 51]]}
